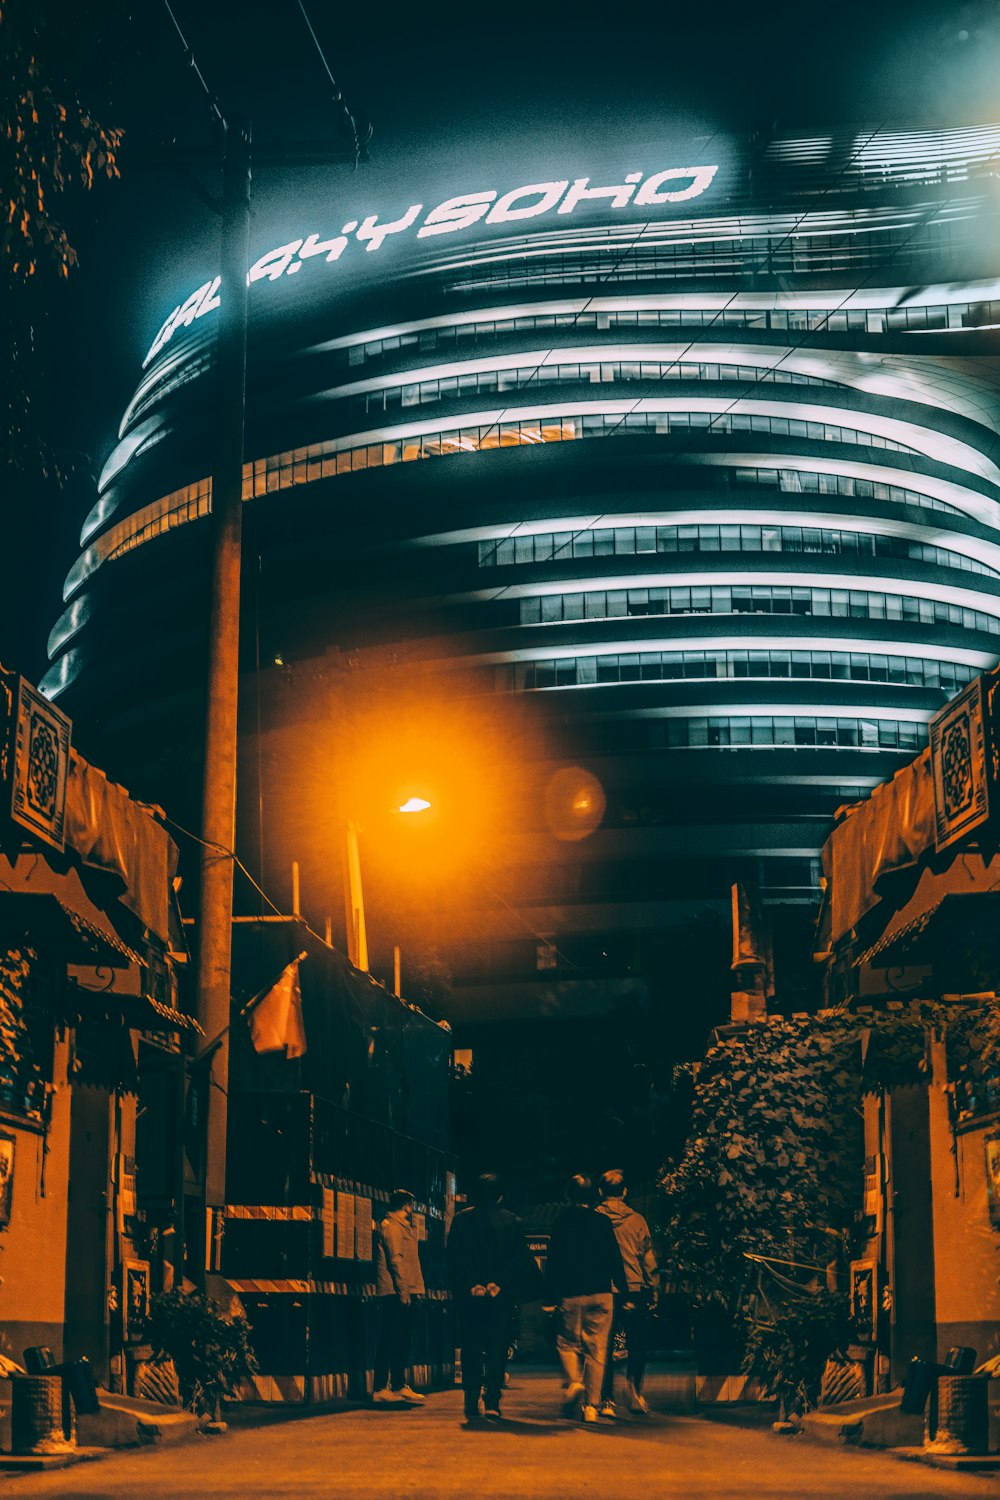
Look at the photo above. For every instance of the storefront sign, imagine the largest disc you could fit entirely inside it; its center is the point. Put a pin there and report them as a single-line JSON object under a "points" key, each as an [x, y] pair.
{"points": [[958, 766], [37, 762], [642, 192]]}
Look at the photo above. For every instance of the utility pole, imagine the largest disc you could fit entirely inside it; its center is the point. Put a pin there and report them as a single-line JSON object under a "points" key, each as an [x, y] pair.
{"points": [[218, 821], [219, 774]]}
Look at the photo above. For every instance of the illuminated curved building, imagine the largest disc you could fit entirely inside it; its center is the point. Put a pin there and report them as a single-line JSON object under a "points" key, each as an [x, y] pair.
{"points": [[708, 455]]}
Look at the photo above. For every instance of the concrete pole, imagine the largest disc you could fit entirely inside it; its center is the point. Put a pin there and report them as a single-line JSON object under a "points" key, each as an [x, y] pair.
{"points": [[219, 777], [357, 936]]}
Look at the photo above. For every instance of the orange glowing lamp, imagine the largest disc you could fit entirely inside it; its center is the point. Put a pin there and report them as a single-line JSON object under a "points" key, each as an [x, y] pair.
{"points": [[414, 805]]}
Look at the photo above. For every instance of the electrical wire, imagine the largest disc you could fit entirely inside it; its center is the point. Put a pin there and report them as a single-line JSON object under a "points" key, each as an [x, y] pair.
{"points": [[749, 387], [231, 854], [192, 63], [679, 358], [338, 97]]}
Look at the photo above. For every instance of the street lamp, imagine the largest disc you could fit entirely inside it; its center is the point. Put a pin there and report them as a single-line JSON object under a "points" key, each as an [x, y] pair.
{"points": [[357, 936]]}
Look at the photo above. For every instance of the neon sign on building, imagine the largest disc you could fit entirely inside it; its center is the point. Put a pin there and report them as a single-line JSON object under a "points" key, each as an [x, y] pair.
{"points": [[673, 185]]}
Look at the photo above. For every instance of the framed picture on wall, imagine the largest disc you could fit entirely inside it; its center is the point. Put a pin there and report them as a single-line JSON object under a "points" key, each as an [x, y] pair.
{"points": [[864, 1299], [135, 1300], [992, 1148], [6, 1177]]}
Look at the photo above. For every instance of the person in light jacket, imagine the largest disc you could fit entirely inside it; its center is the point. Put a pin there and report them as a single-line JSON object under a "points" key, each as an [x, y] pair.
{"points": [[633, 1311], [398, 1280], [583, 1271]]}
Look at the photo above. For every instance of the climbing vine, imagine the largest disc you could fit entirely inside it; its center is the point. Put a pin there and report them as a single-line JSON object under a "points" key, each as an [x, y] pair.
{"points": [[20, 1075]]}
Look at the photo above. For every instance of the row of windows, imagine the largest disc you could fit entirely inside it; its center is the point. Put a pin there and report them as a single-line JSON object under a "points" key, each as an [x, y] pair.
{"points": [[555, 884], [626, 541], [283, 470], [849, 256], [668, 666], [820, 733], [492, 382], [175, 509], [770, 599], [793, 320], [154, 387], [800, 482], [320, 461]]}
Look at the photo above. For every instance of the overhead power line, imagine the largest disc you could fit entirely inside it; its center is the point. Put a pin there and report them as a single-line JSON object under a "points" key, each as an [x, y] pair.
{"points": [[336, 95]]}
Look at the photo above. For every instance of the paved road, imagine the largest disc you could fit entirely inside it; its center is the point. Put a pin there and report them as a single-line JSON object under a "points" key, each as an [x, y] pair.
{"points": [[427, 1453]]}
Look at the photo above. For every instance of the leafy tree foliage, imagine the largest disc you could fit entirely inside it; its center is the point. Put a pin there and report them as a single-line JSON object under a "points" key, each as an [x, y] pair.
{"points": [[53, 90], [49, 141], [771, 1159], [770, 1174]]}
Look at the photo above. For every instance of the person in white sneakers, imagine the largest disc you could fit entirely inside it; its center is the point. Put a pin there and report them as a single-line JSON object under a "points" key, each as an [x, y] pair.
{"points": [[583, 1271], [398, 1280], [633, 1310]]}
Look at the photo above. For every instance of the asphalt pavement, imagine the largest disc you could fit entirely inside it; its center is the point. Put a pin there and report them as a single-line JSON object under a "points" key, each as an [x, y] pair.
{"points": [[429, 1452]]}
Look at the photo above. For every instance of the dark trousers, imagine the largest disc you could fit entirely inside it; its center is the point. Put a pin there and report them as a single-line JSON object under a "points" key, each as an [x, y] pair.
{"points": [[392, 1344], [485, 1326], [634, 1322]]}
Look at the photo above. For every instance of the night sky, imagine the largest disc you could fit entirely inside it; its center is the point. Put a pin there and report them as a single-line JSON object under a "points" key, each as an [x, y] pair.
{"points": [[456, 94]]}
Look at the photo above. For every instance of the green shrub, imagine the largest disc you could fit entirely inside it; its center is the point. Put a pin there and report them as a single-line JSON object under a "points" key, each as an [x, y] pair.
{"points": [[788, 1346], [210, 1350]]}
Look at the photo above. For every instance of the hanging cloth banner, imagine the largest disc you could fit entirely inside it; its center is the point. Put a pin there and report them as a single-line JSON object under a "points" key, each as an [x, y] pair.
{"points": [[275, 1017]]}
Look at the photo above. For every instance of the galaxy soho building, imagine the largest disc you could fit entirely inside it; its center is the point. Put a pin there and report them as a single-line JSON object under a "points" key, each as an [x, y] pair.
{"points": [[701, 450]]}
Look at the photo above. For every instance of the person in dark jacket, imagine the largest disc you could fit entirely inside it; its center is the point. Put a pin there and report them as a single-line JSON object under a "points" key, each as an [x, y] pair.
{"points": [[491, 1272], [583, 1272]]}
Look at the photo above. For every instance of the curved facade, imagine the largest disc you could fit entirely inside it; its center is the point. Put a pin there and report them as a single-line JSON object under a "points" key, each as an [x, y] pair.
{"points": [[722, 485]]}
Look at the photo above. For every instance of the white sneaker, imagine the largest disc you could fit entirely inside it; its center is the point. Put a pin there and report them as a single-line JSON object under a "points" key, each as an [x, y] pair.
{"points": [[386, 1397], [572, 1396], [637, 1401], [608, 1409], [589, 1414], [406, 1393]]}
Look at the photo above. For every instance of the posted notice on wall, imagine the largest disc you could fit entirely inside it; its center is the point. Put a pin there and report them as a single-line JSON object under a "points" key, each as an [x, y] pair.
{"points": [[345, 1226], [363, 1228], [329, 1224]]}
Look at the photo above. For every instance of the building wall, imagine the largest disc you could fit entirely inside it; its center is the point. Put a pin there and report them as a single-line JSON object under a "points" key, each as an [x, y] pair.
{"points": [[33, 1244], [911, 1220], [740, 612], [965, 1244], [87, 1269]]}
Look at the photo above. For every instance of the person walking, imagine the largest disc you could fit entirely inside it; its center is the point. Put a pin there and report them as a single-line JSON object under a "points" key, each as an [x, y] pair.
{"points": [[633, 1312], [398, 1280], [491, 1272], [583, 1272]]}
